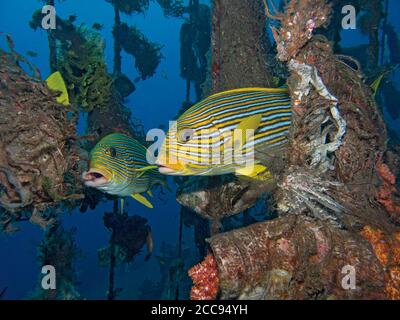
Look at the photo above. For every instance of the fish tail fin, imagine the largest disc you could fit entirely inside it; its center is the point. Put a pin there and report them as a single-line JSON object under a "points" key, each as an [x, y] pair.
{"points": [[56, 82]]}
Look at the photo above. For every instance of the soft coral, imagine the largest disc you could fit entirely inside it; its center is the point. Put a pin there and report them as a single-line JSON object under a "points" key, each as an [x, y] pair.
{"points": [[388, 195], [205, 279]]}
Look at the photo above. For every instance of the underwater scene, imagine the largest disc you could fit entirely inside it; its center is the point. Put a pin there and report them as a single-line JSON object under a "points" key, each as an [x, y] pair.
{"points": [[199, 150]]}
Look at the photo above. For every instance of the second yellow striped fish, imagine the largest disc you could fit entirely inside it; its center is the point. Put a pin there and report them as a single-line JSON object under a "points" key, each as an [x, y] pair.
{"points": [[118, 166]]}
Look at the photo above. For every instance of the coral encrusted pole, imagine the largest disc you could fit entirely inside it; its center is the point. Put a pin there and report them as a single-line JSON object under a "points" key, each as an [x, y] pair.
{"points": [[239, 46]]}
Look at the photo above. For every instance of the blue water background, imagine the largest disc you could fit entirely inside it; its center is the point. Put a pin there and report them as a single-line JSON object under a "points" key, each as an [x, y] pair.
{"points": [[155, 102]]}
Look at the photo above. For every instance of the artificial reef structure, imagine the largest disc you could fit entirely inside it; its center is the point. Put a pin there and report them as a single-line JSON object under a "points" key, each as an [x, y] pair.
{"points": [[39, 164], [336, 198]]}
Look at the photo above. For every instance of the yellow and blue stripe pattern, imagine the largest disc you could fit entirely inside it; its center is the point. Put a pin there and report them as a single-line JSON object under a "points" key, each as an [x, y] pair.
{"points": [[222, 113], [121, 159]]}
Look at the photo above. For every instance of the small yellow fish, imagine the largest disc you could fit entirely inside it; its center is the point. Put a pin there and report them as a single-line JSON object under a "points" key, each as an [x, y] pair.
{"points": [[55, 82]]}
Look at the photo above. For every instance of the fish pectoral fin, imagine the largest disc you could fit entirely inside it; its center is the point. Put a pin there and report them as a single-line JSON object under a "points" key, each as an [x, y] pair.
{"points": [[144, 169], [138, 197], [56, 82], [250, 123], [150, 194], [257, 171], [164, 184], [149, 244], [121, 204], [140, 174]]}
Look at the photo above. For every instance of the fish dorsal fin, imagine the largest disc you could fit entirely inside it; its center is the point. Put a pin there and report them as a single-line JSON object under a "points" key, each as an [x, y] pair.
{"points": [[138, 197], [56, 82], [140, 174], [257, 171], [242, 90], [250, 123]]}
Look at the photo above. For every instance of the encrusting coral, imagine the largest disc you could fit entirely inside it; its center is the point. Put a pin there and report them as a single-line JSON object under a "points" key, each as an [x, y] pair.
{"points": [[336, 118], [128, 236], [387, 250], [80, 59], [294, 257], [239, 46], [388, 194], [147, 54], [58, 249], [39, 161], [195, 42], [83, 68], [215, 198]]}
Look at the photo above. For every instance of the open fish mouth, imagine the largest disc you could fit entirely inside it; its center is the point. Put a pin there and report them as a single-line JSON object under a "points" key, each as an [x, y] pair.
{"points": [[94, 178]]}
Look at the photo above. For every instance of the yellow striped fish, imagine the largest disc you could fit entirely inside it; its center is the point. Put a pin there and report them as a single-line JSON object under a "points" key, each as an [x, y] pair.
{"points": [[233, 131], [118, 166]]}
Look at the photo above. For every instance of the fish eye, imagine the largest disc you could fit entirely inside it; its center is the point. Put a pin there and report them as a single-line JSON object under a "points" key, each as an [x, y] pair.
{"points": [[185, 135], [111, 151]]}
